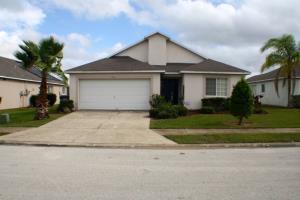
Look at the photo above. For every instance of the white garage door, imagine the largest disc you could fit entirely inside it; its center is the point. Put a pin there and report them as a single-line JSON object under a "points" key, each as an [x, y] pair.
{"points": [[114, 94]]}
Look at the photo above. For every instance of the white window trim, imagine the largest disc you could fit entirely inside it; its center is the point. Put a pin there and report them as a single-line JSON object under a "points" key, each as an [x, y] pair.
{"points": [[214, 96]]}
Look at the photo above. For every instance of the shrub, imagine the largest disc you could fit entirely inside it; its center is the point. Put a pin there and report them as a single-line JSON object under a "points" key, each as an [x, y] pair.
{"points": [[207, 110], [32, 100], [241, 101], [156, 101], [296, 101], [218, 103], [181, 110], [65, 106], [51, 99], [153, 112], [166, 111]]}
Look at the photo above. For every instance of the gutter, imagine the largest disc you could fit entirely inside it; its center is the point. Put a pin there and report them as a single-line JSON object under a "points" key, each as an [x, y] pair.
{"points": [[28, 80]]}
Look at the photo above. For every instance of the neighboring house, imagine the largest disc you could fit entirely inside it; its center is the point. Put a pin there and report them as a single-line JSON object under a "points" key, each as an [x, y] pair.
{"points": [[18, 84], [264, 85], [155, 65]]}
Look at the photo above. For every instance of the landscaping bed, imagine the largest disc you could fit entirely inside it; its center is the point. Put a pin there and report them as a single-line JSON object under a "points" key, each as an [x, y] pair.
{"points": [[235, 138], [275, 118], [23, 117]]}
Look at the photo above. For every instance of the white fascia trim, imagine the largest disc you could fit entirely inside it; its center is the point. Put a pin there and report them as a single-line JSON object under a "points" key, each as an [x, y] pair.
{"points": [[28, 80], [266, 80], [113, 72], [204, 72], [172, 73]]}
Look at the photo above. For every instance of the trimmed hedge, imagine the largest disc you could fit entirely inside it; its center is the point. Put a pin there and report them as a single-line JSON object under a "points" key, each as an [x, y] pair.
{"points": [[161, 109], [65, 106], [218, 104], [296, 101], [50, 96], [207, 110]]}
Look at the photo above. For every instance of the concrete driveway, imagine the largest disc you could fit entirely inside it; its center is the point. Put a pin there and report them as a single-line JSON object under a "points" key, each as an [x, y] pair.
{"points": [[93, 127]]}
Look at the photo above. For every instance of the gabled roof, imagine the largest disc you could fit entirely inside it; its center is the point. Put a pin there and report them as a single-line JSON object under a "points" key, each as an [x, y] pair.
{"points": [[128, 64], [268, 76], [161, 34], [12, 69], [210, 65], [116, 64]]}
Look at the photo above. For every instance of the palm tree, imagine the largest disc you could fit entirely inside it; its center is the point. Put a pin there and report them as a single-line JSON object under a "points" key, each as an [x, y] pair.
{"points": [[46, 56], [285, 54]]}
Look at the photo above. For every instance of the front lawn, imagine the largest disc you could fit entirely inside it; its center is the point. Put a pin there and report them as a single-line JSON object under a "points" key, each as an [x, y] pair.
{"points": [[276, 118], [23, 117], [235, 138]]}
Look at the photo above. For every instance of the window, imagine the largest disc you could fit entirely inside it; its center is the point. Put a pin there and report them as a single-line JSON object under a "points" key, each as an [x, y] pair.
{"points": [[64, 90], [216, 87], [50, 89], [263, 89]]}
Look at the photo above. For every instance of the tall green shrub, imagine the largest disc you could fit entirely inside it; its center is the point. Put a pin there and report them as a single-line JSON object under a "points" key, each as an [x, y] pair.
{"points": [[241, 101]]}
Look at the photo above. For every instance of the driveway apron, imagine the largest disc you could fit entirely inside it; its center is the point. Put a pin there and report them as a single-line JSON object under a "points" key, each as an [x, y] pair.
{"points": [[93, 127]]}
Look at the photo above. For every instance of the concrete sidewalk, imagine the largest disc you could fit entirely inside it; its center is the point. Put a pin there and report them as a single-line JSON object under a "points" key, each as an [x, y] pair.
{"points": [[226, 131], [92, 128]]}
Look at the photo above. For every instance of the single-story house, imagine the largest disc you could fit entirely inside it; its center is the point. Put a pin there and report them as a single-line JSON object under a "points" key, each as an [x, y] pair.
{"points": [[264, 84], [18, 84], [154, 65]]}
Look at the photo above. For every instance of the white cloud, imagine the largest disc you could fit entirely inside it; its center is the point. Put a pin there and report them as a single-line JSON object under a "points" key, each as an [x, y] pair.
{"points": [[19, 13]]}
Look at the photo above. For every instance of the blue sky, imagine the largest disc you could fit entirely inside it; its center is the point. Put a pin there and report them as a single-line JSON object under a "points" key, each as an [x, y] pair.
{"points": [[230, 31]]}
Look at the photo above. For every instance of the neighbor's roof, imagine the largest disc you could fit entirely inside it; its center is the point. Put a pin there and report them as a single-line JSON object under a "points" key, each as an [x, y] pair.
{"points": [[268, 76], [128, 64], [12, 69], [116, 64]]}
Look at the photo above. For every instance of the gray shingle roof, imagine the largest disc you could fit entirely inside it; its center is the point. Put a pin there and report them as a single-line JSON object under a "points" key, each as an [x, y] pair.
{"points": [[268, 76], [126, 63], [209, 65], [13, 69], [116, 63]]}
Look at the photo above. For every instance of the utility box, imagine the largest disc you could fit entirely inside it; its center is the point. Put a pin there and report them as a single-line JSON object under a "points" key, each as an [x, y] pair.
{"points": [[4, 118]]}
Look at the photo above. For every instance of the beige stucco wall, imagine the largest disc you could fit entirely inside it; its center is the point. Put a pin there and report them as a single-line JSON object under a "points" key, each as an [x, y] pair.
{"points": [[270, 96], [10, 92], [194, 88], [158, 50], [177, 54], [75, 78], [138, 52]]}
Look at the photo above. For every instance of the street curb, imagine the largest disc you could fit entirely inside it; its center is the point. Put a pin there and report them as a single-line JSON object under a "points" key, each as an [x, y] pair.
{"points": [[150, 146]]}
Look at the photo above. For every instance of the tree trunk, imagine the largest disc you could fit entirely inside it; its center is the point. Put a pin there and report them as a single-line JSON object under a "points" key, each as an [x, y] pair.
{"points": [[42, 101], [241, 120], [290, 103]]}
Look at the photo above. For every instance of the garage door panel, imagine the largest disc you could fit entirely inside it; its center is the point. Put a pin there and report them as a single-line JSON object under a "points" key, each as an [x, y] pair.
{"points": [[114, 94]]}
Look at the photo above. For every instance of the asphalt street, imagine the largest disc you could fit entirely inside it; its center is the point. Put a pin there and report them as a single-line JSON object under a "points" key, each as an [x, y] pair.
{"points": [[29, 173]]}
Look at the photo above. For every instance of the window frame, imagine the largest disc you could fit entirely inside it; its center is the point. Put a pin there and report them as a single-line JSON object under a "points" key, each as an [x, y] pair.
{"points": [[216, 82], [263, 88]]}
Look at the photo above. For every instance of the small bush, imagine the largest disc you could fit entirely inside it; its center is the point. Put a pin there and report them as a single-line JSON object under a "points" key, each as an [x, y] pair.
{"points": [[51, 98], [166, 111], [156, 101], [32, 100], [154, 112], [219, 104], [65, 106], [296, 101], [241, 105], [181, 110], [207, 110]]}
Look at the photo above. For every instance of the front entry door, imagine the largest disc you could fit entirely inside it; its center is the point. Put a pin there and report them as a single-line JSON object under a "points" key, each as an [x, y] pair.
{"points": [[170, 89]]}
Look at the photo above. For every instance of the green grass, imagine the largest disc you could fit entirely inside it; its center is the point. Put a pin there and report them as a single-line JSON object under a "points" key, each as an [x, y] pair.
{"points": [[23, 117], [235, 138], [276, 118]]}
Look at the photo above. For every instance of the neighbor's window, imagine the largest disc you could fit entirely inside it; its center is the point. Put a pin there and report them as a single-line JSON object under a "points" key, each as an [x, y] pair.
{"points": [[50, 89], [64, 90], [216, 87], [263, 89]]}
